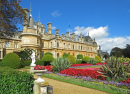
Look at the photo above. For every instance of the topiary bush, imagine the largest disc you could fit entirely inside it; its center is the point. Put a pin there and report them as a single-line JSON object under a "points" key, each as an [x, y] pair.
{"points": [[78, 61], [26, 63], [48, 53], [92, 61], [79, 56], [47, 59], [60, 64], [98, 59], [12, 60], [86, 59], [39, 62], [15, 82], [65, 55], [72, 59]]}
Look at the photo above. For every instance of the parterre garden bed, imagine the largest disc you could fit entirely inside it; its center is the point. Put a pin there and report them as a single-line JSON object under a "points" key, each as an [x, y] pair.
{"points": [[89, 76]]}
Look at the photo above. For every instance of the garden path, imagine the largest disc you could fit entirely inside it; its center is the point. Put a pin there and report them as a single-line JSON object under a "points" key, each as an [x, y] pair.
{"points": [[60, 87]]}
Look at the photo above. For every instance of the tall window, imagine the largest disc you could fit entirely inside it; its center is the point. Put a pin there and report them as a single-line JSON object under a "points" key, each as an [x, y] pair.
{"points": [[42, 53], [64, 45], [57, 54], [0, 54], [15, 45], [91, 49], [51, 44], [57, 44], [7, 44], [73, 46], [81, 47], [68, 45]]}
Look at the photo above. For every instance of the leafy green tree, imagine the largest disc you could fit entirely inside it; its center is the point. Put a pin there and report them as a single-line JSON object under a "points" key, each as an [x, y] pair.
{"points": [[127, 51], [79, 56], [117, 52], [11, 15]]}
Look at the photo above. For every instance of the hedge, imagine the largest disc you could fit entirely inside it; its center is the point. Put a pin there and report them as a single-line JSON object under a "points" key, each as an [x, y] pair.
{"points": [[15, 82]]}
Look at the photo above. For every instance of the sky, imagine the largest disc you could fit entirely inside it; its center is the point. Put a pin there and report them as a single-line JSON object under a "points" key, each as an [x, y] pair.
{"points": [[108, 21]]}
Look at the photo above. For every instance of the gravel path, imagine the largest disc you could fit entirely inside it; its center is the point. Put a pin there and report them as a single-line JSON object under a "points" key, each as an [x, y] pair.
{"points": [[67, 88]]}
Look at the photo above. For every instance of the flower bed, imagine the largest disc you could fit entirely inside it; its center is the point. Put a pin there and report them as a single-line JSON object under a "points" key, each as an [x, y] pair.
{"points": [[100, 63], [90, 79], [83, 72], [76, 65], [49, 68], [126, 81]]}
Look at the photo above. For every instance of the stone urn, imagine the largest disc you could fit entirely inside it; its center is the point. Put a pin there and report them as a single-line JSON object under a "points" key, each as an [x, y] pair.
{"points": [[39, 73]]}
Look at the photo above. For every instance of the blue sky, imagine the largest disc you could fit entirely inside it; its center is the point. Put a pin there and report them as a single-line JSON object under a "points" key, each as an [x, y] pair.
{"points": [[106, 20]]}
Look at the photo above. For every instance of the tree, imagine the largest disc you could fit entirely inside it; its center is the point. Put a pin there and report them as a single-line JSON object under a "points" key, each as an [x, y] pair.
{"points": [[11, 15], [118, 52], [126, 51]]}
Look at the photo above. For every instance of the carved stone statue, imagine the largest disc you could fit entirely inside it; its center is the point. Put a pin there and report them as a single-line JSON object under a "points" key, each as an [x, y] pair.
{"points": [[33, 59]]}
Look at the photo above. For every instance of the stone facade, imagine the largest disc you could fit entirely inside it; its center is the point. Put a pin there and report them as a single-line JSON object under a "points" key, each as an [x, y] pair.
{"points": [[34, 36]]}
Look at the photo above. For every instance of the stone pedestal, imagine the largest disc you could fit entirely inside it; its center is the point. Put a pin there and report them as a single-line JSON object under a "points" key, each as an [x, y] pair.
{"points": [[40, 88], [32, 68]]}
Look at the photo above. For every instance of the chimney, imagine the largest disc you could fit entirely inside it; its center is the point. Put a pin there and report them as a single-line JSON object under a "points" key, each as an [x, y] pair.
{"points": [[42, 29], [67, 34], [57, 31], [25, 17], [63, 35], [49, 28], [72, 35]]}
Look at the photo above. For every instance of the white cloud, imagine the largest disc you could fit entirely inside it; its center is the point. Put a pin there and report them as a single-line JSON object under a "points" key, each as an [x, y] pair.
{"points": [[108, 43], [55, 13], [53, 27], [101, 36]]}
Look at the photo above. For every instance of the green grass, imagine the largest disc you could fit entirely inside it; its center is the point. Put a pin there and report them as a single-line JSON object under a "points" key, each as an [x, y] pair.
{"points": [[98, 86], [88, 67], [26, 67]]}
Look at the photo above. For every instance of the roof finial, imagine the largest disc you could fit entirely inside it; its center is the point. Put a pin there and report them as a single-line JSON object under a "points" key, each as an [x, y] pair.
{"points": [[30, 10], [94, 39], [39, 16]]}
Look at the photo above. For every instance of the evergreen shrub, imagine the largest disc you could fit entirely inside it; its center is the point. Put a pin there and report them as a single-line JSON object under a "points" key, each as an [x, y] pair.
{"points": [[86, 59], [78, 61], [79, 56], [60, 64], [98, 59], [72, 59], [65, 55], [15, 82], [47, 59], [26, 63], [39, 62], [12, 60], [48, 53]]}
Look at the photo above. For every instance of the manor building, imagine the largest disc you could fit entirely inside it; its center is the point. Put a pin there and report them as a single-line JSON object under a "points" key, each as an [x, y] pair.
{"points": [[34, 36]]}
